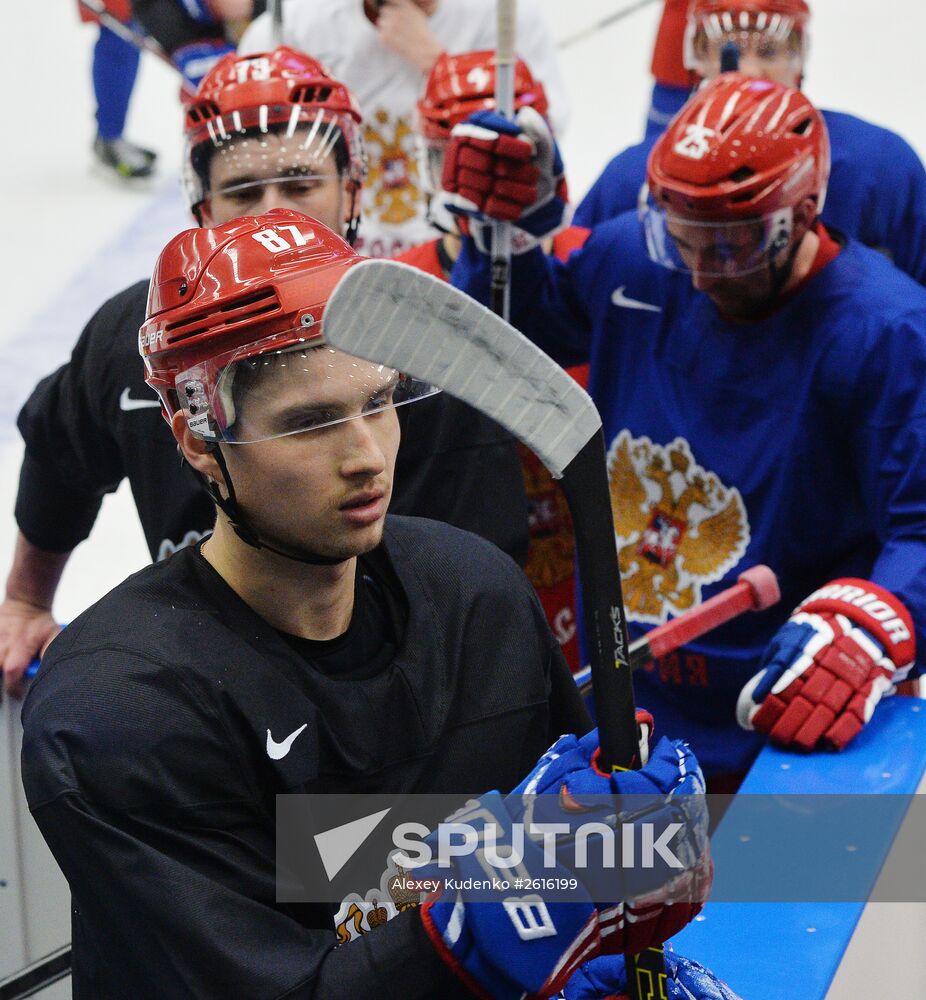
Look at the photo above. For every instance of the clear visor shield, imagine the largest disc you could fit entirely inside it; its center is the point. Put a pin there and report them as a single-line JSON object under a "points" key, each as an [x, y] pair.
{"points": [[714, 249], [430, 168], [771, 46], [237, 156], [252, 395]]}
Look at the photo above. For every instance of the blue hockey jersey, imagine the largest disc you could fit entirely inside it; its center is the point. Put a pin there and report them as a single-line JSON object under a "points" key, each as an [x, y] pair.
{"points": [[877, 189], [798, 441]]}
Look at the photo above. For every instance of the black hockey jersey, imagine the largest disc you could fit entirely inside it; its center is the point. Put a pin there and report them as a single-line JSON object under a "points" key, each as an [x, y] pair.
{"points": [[146, 768]]}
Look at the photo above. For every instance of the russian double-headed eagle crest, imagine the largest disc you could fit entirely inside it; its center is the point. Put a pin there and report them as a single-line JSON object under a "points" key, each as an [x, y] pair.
{"points": [[393, 165], [677, 526]]}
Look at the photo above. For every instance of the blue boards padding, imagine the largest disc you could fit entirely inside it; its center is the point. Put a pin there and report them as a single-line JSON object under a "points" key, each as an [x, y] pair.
{"points": [[791, 950]]}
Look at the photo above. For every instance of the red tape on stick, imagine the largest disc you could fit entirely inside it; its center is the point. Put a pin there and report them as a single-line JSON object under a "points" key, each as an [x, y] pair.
{"points": [[756, 590]]}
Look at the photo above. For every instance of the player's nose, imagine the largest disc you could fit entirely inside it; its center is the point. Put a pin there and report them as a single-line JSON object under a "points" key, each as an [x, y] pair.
{"points": [[363, 452]]}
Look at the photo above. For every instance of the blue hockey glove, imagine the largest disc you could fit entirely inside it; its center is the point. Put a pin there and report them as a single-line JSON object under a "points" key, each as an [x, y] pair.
{"points": [[196, 59], [606, 979], [509, 171], [829, 665], [531, 936]]}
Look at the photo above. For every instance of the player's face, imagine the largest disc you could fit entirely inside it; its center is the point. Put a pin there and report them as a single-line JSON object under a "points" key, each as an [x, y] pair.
{"points": [[761, 56], [325, 490], [256, 174], [726, 264]]}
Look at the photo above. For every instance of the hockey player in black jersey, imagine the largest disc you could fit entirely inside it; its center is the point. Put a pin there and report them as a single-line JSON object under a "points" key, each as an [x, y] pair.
{"points": [[311, 644], [268, 130]]}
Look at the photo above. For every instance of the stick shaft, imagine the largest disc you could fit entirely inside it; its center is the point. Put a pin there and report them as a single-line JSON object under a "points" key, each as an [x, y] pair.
{"points": [[500, 285], [276, 22], [671, 635], [605, 22], [584, 482], [133, 37]]}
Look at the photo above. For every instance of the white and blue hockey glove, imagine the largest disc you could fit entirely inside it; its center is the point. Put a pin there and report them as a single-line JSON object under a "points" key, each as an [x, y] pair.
{"points": [[507, 171], [530, 937], [606, 979], [829, 665]]}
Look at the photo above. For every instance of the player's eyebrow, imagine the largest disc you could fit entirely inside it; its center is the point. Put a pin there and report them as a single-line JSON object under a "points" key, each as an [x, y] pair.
{"points": [[336, 407], [296, 172]]}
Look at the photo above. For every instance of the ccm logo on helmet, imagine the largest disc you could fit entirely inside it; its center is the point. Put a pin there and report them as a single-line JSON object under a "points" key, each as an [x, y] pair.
{"points": [[870, 603]]}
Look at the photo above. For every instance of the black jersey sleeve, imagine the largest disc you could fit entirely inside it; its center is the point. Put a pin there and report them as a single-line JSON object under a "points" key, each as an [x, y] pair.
{"points": [[568, 713], [154, 815], [72, 455]]}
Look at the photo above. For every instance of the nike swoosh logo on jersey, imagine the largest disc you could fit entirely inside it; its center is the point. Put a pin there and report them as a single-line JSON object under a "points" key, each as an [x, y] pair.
{"points": [[127, 403], [277, 751], [620, 299]]}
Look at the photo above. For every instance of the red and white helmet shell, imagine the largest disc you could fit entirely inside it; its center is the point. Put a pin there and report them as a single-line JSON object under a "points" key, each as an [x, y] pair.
{"points": [[247, 93], [258, 282], [740, 148], [782, 20], [460, 85]]}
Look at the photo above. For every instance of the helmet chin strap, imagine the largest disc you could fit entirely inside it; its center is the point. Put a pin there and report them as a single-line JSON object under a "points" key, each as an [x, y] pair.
{"points": [[232, 510], [354, 224]]}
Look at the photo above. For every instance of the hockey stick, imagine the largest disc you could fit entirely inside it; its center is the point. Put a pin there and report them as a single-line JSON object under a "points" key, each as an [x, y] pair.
{"points": [[499, 288], [35, 977], [605, 22], [133, 37], [756, 590], [426, 328], [276, 22]]}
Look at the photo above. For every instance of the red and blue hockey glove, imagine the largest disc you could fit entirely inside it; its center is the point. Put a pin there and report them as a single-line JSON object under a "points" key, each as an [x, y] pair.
{"points": [[509, 171], [196, 59], [529, 939], [829, 665], [606, 979]]}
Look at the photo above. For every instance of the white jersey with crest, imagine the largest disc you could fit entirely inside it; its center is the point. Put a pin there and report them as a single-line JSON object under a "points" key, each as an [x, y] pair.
{"points": [[338, 34]]}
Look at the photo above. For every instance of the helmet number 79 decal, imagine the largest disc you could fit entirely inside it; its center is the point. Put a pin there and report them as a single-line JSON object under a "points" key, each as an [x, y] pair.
{"points": [[273, 241], [694, 143]]}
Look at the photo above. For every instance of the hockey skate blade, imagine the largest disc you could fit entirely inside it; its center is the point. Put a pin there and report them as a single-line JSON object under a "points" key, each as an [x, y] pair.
{"points": [[393, 314]]}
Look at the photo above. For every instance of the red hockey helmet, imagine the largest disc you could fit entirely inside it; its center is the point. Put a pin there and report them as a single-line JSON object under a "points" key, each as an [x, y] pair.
{"points": [[460, 85], [742, 150], [231, 307], [285, 92], [457, 87], [773, 31]]}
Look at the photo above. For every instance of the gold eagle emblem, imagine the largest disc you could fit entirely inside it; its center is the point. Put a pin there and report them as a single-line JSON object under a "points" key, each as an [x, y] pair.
{"points": [[677, 526], [393, 170]]}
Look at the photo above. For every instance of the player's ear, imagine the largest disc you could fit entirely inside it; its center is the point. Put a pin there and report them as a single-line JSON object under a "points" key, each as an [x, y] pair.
{"points": [[196, 451], [804, 215], [204, 215]]}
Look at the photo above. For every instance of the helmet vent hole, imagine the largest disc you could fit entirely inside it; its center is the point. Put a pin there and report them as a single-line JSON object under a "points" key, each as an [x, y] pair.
{"points": [[742, 174], [802, 128], [242, 309], [203, 112], [310, 95]]}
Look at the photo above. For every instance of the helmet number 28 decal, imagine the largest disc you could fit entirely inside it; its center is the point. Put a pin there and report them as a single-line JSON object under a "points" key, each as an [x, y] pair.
{"points": [[274, 242]]}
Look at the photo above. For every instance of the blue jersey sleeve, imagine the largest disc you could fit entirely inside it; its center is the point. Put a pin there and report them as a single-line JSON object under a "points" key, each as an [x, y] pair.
{"points": [[618, 187], [890, 447], [877, 191]]}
